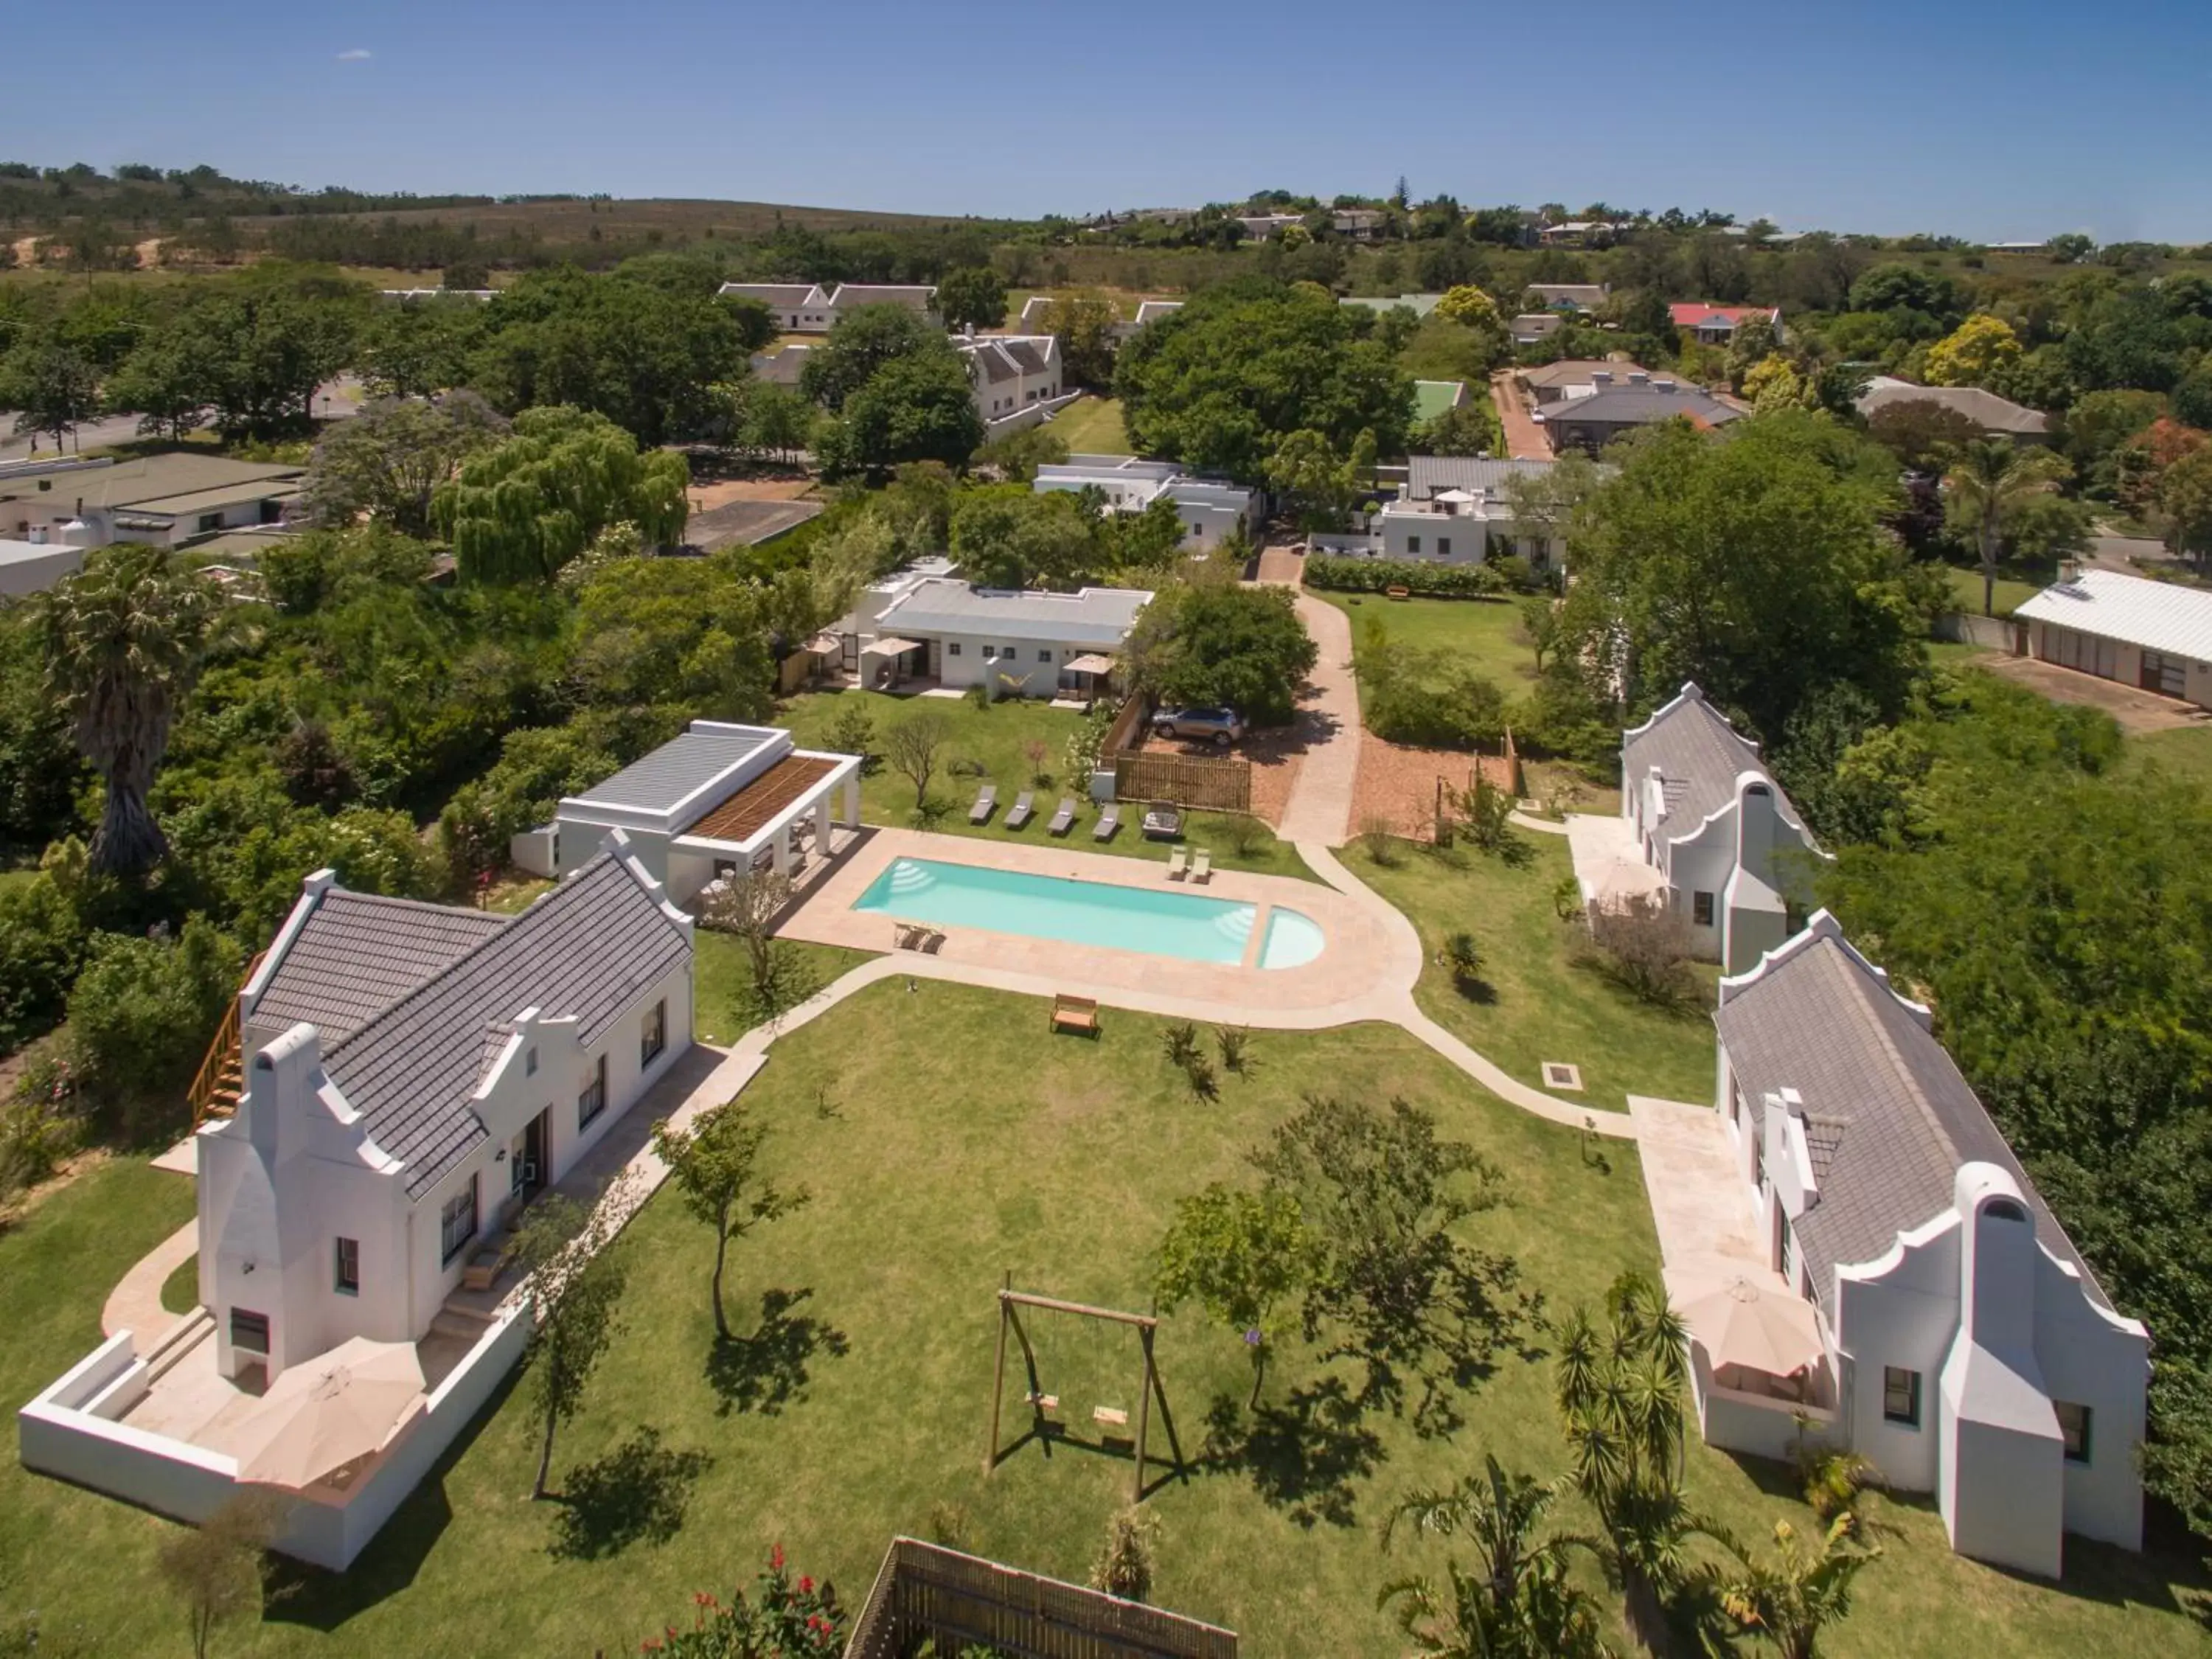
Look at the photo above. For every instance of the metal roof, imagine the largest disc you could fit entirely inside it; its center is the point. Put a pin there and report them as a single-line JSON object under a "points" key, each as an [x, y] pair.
{"points": [[1576, 371], [1888, 1117], [586, 951], [1427, 474], [679, 769], [358, 953], [2162, 616], [143, 483], [1097, 616], [1632, 406]]}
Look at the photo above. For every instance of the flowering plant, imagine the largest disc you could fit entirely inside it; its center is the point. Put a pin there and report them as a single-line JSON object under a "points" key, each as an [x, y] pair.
{"points": [[785, 1618]]}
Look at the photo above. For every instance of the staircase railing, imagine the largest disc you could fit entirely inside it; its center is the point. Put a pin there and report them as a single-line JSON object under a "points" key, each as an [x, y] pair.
{"points": [[201, 1096]]}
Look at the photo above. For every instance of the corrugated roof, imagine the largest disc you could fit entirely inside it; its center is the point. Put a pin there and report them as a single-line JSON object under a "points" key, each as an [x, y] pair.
{"points": [[668, 776], [1699, 757], [2162, 616], [586, 951], [141, 483], [1889, 1118], [357, 954], [1097, 616], [1427, 474]]}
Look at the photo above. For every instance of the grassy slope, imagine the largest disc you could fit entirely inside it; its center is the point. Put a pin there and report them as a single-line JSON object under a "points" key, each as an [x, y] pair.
{"points": [[1093, 427], [993, 738], [1542, 1007], [1484, 635], [964, 1144], [2185, 753]]}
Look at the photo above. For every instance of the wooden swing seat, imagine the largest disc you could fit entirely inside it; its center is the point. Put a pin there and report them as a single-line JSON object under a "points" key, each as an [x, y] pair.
{"points": [[1112, 1416]]}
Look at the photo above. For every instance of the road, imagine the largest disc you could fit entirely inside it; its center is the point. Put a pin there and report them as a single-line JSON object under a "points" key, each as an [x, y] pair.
{"points": [[1524, 438]]}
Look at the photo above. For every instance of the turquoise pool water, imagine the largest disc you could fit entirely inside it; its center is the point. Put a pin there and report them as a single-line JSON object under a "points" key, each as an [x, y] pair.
{"points": [[1163, 921]]}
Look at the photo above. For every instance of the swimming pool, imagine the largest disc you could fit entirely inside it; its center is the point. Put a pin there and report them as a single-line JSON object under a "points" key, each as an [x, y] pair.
{"points": [[1193, 927]]}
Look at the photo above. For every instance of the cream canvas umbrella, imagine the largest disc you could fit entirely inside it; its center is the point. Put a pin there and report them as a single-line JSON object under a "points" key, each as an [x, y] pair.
{"points": [[336, 1408], [1739, 1321]]}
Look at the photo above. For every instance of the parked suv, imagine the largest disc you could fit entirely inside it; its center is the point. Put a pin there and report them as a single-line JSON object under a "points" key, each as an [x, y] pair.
{"points": [[1218, 726]]}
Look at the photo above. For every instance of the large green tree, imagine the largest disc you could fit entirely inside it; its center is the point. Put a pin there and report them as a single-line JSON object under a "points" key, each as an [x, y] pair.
{"points": [[918, 407], [124, 643], [52, 387], [1991, 483], [1213, 644], [863, 342], [973, 296], [1219, 383], [1009, 537], [388, 461], [262, 343]]}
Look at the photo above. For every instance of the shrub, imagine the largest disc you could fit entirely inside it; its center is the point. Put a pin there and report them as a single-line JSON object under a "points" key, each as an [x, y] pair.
{"points": [[38, 1129], [41, 946], [1180, 1041], [1436, 581], [1204, 1084], [1234, 1043], [853, 732], [143, 1010], [1835, 1482], [1567, 899], [1463, 956], [1125, 1563], [784, 1619], [1378, 838], [1036, 751], [978, 695], [1644, 947], [1247, 837], [1467, 711]]}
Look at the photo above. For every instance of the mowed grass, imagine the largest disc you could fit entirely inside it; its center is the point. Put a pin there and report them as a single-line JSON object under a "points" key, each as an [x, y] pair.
{"points": [[1484, 635], [2012, 590], [996, 739], [1092, 426], [2183, 752], [1539, 1006], [947, 1141]]}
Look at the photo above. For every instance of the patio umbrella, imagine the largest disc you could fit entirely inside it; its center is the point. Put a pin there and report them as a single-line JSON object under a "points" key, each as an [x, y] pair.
{"points": [[1762, 1327], [319, 1416]]}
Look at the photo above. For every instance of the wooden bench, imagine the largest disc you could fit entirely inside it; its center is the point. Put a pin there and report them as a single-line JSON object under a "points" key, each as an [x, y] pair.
{"points": [[1075, 1014], [1398, 592]]}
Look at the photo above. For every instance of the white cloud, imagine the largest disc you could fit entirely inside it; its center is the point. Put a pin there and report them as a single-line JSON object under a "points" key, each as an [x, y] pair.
{"points": [[355, 54]]}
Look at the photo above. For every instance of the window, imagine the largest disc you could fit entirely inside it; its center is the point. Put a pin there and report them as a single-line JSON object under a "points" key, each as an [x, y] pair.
{"points": [[1701, 909], [1443, 547], [210, 521], [952, 647], [990, 653], [249, 1331], [349, 1278], [594, 1100], [2073, 1425], [1044, 656], [1900, 1396], [1413, 543], [530, 1062], [654, 1037], [457, 1222]]}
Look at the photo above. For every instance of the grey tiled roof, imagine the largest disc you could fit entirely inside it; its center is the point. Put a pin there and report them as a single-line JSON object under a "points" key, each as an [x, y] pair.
{"points": [[995, 364], [787, 295], [1700, 755], [357, 954], [1889, 1119], [664, 779], [1634, 405], [1025, 355], [1986, 409], [584, 951], [1427, 474]]}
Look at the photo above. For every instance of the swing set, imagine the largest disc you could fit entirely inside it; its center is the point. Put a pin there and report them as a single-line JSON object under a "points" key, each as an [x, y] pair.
{"points": [[1047, 1424]]}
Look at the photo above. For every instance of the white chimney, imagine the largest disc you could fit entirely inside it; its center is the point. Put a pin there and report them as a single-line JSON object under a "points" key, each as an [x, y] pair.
{"points": [[1638, 377], [2069, 572], [1663, 386], [1602, 377], [37, 536]]}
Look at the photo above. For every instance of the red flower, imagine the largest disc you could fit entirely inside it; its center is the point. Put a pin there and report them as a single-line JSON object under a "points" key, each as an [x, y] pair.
{"points": [[805, 1585], [776, 1558]]}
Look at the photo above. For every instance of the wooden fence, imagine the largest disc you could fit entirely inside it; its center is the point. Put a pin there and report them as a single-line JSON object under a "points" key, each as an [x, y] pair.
{"points": [[924, 1590], [1195, 781]]}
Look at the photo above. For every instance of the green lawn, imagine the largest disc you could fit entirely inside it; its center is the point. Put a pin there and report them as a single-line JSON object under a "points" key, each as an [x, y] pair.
{"points": [[995, 737], [2186, 751], [947, 1140], [1093, 427], [181, 1291], [1541, 1006], [721, 1001], [1484, 635], [2013, 590]]}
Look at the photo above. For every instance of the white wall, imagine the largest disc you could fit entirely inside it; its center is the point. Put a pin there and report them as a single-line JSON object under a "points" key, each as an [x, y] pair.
{"points": [[1037, 678]]}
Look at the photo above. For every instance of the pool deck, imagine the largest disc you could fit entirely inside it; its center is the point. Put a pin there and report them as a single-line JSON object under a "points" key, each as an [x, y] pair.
{"points": [[1360, 962]]}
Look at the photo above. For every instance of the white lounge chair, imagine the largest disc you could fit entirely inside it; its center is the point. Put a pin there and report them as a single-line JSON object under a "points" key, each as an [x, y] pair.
{"points": [[1109, 822], [987, 797], [1201, 866], [1025, 809], [1178, 861], [1064, 819]]}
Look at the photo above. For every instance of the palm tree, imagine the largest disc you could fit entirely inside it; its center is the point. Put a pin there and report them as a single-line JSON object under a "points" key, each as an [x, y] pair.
{"points": [[1989, 480], [1518, 1604], [1620, 1394], [1791, 1599], [123, 641]]}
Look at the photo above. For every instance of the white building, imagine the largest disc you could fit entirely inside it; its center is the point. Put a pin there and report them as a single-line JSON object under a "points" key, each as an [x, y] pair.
{"points": [[1969, 1350], [410, 1075], [1451, 510], [1265, 227], [923, 622], [1211, 509], [1534, 327], [2154, 636], [161, 500], [1016, 377], [1728, 850], [719, 798], [813, 308], [1569, 296], [30, 567]]}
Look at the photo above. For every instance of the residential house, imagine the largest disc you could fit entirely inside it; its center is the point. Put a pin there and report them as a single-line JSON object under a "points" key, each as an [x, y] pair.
{"points": [[30, 567], [1571, 377], [1713, 324], [2156, 636], [1727, 850], [1534, 327], [161, 500], [1016, 376], [1148, 312], [718, 798], [1360, 224], [420, 295], [1997, 417], [1614, 407], [1569, 296], [923, 623], [1419, 304], [1580, 232], [810, 308], [1451, 510], [1265, 227], [1212, 509], [1964, 1346], [408, 1075]]}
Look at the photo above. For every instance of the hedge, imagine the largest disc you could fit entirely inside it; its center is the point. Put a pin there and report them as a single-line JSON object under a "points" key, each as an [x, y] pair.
{"points": [[1436, 581]]}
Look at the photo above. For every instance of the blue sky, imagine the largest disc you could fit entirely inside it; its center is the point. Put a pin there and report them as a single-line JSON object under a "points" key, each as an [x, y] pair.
{"points": [[1983, 120]]}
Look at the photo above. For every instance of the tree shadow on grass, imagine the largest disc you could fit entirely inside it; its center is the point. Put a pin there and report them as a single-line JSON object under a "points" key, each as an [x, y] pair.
{"points": [[1303, 1454], [637, 1493], [765, 1371]]}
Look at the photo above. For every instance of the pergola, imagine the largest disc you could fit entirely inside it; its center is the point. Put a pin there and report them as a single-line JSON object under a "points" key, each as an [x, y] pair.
{"points": [[765, 811]]}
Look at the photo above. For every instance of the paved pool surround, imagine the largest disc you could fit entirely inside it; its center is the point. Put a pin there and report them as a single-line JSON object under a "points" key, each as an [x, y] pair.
{"points": [[1355, 951]]}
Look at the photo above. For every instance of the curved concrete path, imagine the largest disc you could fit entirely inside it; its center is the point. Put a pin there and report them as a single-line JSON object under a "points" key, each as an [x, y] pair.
{"points": [[135, 1303]]}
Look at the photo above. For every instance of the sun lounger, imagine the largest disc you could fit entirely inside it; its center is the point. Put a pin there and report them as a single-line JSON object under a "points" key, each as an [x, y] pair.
{"points": [[1178, 861], [1064, 819], [1109, 822], [1201, 866], [987, 797], [1025, 809]]}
